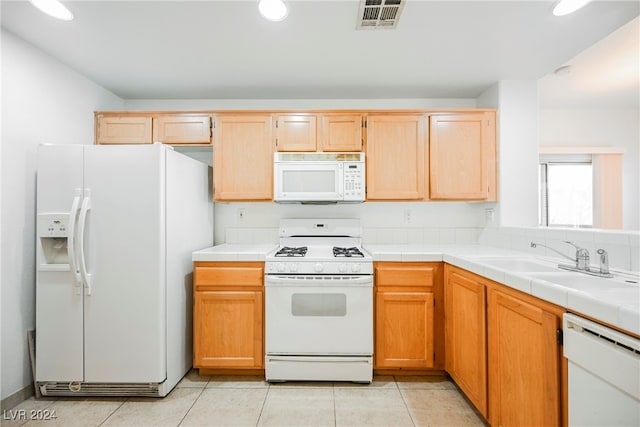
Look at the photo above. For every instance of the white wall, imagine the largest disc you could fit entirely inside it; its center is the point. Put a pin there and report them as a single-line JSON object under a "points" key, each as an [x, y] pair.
{"points": [[601, 127], [301, 104], [42, 101], [517, 104]]}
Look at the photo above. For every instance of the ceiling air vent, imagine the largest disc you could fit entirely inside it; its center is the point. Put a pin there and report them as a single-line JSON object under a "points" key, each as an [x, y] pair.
{"points": [[378, 14]]}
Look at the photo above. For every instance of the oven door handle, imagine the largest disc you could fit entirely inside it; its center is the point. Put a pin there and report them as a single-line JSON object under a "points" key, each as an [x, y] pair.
{"points": [[329, 280], [319, 359]]}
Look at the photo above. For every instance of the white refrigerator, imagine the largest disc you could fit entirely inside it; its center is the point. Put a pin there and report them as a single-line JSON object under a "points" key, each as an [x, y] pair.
{"points": [[116, 226]]}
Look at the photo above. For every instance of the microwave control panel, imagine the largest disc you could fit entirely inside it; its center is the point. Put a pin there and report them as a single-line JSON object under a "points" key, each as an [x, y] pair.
{"points": [[353, 180]]}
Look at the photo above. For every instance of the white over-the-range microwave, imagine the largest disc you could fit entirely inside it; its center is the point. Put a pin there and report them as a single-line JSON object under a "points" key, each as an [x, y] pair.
{"points": [[319, 177]]}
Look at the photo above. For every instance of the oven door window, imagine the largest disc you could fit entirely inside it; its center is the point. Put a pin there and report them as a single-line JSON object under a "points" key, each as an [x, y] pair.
{"points": [[319, 305]]}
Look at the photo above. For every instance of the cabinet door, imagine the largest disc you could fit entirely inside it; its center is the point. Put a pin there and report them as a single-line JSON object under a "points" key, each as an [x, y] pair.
{"points": [[182, 129], [228, 329], [524, 363], [396, 158], [341, 132], [404, 330], [296, 132], [466, 339], [243, 158], [460, 148], [123, 130]]}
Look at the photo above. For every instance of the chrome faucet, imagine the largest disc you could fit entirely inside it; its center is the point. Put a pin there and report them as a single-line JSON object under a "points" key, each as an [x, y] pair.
{"points": [[581, 262], [582, 256]]}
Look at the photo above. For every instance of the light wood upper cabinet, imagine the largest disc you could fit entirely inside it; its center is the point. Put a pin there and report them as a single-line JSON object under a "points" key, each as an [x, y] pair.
{"points": [[462, 156], [525, 380], [296, 132], [341, 132], [123, 130], [396, 157], [243, 157], [228, 315], [408, 316], [145, 128], [465, 334], [182, 129]]}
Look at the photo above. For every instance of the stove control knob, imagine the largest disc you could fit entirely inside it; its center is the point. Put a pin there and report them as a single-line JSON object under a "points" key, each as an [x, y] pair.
{"points": [[318, 267], [355, 268], [281, 267], [293, 268], [342, 268]]}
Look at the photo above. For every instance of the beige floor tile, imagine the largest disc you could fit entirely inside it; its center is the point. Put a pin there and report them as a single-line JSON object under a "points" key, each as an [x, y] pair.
{"points": [[370, 407], [298, 407], [193, 379], [424, 382], [78, 412], [383, 381], [167, 411], [441, 408], [237, 381], [227, 407]]}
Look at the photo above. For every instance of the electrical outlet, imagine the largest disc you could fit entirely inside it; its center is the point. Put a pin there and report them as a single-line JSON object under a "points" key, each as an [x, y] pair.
{"points": [[407, 216], [240, 213], [488, 214]]}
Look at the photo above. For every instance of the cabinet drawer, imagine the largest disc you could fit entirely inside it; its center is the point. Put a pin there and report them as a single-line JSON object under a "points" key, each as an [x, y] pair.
{"points": [[228, 275], [404, 274]]}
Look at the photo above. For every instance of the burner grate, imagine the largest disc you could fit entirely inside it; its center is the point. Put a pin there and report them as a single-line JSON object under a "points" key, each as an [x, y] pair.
{"points": [[291, 251], [347, 252]]}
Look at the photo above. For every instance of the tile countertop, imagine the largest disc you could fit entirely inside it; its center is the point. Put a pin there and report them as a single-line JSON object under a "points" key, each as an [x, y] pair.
{"points": [[234, 252], [620, 308], [617, 305]]}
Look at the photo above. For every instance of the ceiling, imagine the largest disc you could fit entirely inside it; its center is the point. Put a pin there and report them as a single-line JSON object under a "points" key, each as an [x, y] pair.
{"points": [[226, 50]]}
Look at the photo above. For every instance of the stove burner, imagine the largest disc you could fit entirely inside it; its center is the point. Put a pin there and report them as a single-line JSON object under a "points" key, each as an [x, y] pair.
{"points": [[289, 251], [347, 252]]}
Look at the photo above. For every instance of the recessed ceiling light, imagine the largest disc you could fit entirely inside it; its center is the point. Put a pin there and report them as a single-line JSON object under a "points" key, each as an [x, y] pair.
{"points": [[53, 8], [565, 7], [273, 10], [562, 71]]}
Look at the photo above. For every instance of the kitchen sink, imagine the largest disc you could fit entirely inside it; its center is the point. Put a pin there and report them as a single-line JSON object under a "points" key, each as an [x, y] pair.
{"points": [[518, 265], [583, 281]]}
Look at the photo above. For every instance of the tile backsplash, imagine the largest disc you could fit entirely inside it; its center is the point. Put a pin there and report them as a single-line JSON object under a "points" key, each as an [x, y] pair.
{"points": [[424, 223], [382, 222], [622, 246]]}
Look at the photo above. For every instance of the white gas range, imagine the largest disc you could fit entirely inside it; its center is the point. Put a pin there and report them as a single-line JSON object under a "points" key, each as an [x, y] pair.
{"points": [[319, 303]]}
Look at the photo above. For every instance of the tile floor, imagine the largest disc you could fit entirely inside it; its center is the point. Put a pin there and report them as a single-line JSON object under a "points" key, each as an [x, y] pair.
{"points": [[250, 401]]}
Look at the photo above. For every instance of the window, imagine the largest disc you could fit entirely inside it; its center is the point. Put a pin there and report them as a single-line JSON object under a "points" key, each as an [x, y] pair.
{"points": [[565, 192]]}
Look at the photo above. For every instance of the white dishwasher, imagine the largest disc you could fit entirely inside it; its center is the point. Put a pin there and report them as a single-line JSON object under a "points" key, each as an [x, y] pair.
{"points": [[604, 374]]}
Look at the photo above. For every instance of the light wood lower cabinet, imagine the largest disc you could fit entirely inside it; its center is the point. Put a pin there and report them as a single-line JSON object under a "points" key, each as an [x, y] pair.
{"points": [[525, 361], [228, 315], [466, 334], [503, 351], [409, 333]]}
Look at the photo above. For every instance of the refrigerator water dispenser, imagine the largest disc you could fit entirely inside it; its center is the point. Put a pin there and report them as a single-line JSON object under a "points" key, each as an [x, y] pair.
{"points": [[53, 242]]}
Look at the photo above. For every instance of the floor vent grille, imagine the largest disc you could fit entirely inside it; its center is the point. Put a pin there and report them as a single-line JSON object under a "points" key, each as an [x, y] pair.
{"points": [[98, 389], [379, 14]]}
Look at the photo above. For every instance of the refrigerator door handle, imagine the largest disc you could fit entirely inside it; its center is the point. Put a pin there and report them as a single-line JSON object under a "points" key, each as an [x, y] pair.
{"points": [[71, 239], [86, 207]]}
